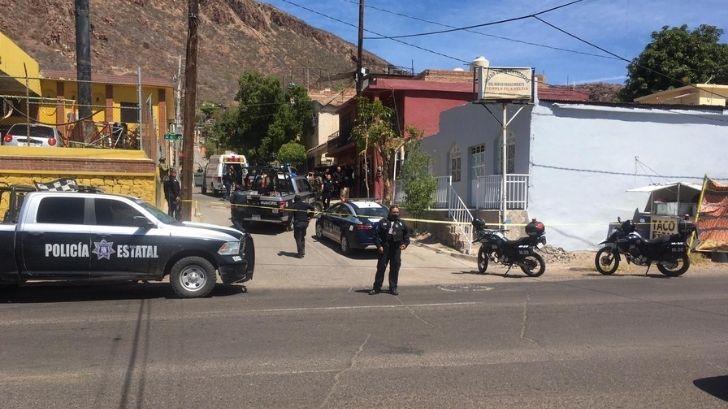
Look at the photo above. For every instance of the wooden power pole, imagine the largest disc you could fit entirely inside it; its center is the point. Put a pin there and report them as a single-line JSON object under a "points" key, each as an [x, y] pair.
{"points": [[188, 151], [83, 69], [360, 50]]}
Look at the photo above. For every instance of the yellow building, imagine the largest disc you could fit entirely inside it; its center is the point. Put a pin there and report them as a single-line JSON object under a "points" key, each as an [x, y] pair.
{"points": [[698, 94], [15, 64]]}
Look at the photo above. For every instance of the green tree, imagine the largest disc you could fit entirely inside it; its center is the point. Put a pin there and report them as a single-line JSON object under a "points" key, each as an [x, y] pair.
{"points": [[418, 185], [682, 56], [265, 118], [292, 153], [375, 130]]}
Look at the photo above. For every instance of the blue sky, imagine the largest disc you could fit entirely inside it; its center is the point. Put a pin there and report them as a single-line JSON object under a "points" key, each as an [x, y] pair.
{"points": [[621, 26]]}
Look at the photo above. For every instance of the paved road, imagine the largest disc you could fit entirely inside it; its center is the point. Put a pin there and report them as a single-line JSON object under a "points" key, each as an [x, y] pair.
{"points": [[621, 342], [618, 341]]}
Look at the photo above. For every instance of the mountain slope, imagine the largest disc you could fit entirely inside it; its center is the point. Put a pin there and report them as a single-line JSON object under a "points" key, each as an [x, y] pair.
{"points": [[235, 35]]}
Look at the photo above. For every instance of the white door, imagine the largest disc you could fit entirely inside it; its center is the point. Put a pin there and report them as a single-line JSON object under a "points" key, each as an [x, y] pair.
{"points": [[477, 169]]}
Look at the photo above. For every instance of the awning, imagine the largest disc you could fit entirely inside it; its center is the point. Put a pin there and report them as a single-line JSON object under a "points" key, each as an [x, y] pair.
{"points": [[653, 188]]}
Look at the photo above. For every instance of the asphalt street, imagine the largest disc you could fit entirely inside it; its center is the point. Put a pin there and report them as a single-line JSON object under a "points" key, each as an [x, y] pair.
{"points": [[621, 341]]}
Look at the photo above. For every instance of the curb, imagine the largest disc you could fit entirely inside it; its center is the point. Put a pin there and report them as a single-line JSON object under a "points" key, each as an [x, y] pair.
{"points": [[467, 257]]}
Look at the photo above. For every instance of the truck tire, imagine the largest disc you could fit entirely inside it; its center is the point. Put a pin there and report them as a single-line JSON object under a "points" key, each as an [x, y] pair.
{"points": [[192, 277]]}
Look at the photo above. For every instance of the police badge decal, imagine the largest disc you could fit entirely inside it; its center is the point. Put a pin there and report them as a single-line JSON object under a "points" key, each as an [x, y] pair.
{"points": [[103, 249]]}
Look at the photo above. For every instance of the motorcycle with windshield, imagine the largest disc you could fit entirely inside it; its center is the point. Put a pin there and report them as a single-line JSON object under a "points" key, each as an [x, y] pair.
{"points": [[669, 252], [496, 248]]}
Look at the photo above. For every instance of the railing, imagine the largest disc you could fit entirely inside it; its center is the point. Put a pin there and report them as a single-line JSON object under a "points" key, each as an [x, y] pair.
{"points": [[487, 192], [459, 213]]}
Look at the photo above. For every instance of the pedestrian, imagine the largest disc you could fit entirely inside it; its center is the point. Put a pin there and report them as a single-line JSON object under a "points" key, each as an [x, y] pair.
{"points": [[391, 237], [172, 191], [329, 190], [227, 181], [301, 217]]}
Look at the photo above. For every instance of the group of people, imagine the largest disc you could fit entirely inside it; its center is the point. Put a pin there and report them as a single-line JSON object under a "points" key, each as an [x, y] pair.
{"points": [[332, 184], [391, 237]]}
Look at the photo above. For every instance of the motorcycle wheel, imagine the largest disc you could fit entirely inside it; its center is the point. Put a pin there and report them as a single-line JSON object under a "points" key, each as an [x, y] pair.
{"points": [[482, 260], [682, 265], [533, 265], [606, 261]]}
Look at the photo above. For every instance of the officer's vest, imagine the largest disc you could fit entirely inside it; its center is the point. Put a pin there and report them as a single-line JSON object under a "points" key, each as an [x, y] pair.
{"points": [[397, 229]]}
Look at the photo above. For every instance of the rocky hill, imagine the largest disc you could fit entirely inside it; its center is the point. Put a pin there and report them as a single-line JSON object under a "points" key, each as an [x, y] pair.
{"points": [[235, 35]]}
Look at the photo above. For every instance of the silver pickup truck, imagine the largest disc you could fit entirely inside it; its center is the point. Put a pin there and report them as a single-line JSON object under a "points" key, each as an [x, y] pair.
{"points": [[86, 236]]}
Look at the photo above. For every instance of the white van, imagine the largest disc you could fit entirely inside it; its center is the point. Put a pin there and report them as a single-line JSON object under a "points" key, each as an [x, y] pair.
{"points": [[212, 179]]}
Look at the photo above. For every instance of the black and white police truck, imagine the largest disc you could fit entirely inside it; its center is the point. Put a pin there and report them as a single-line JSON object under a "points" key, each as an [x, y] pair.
{"points": [[91, 236]]}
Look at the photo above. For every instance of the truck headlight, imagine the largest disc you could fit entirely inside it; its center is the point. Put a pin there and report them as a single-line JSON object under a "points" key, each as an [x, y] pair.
{"points": [[230, 248]]}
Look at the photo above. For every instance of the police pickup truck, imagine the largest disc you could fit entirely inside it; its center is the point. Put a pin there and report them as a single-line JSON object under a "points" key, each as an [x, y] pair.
{"points": [[268, 198], [88, 236]]}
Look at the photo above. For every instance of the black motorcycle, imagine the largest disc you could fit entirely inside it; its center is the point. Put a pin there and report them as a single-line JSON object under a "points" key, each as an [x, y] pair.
{"points": [[497, 248], [670, 252]]}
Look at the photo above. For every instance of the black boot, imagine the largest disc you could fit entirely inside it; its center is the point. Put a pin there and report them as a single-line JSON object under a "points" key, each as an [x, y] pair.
{"points": [[374, 291], [393, 291]]}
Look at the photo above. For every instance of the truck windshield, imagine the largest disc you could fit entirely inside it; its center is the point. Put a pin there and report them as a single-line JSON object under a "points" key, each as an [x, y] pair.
{"points": [[158, 214]]}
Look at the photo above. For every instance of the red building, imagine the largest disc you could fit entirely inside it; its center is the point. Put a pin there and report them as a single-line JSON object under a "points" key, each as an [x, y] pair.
{"points": [[417, 101]]}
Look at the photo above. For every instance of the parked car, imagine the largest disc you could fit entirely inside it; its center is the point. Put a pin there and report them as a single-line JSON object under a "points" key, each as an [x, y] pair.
{"points": [[269, 197], [40, 135], [352, 224], [86, 236]]}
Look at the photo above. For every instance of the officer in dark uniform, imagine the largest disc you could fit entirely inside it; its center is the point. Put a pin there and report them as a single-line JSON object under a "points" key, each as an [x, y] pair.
{"points": [[172, 190], [301, 218], [391, 237]]}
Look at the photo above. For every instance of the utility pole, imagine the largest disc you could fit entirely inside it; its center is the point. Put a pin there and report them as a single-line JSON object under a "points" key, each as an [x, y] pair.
{"points": [[174, 145], [83, 65], [360, 50], [189, 113]]}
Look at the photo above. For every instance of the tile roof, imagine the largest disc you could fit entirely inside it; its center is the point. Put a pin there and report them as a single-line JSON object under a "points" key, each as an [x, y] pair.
{"points": [[127, 79]]}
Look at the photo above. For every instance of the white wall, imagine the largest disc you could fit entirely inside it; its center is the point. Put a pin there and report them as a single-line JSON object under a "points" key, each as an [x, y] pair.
{"points": [[469, 125], [577, 206]]}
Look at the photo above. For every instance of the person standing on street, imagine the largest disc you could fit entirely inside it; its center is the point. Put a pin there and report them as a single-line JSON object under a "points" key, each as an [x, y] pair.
{"points": [[172, 190], [301, 217], [391, 237], [227, 180], [328, 191]]}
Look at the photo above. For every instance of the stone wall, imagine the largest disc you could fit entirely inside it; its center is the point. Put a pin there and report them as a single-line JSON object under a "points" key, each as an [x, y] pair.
{"points": [[113, 171]]}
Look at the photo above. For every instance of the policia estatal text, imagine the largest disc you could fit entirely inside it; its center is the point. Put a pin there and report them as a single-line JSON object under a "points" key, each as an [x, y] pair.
{"points": [[391, 237], [301, 217]]}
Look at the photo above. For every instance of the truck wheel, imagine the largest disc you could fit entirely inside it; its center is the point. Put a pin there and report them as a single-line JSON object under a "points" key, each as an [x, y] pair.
{"points": [[192, 277]]}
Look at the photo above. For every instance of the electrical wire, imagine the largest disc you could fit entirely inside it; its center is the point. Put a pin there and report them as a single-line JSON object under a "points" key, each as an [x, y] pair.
{"points": [[491, 23], [574, 36], [609, 172], [484, 34]]}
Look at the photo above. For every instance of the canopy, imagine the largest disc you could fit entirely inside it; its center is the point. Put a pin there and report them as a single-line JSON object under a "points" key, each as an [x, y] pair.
{"points": [[652, 188]]}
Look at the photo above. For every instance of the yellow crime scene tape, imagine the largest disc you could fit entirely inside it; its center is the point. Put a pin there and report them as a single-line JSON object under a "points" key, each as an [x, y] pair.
{"points": [[407, 219]]}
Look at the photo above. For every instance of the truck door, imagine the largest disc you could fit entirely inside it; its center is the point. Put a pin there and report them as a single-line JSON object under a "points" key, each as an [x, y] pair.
{"points": [[57, 243], [120, 247]]}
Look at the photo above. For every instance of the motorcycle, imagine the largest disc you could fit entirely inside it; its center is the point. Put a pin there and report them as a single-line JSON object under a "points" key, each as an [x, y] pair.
{"points": [[670, 252], [498, 249]]}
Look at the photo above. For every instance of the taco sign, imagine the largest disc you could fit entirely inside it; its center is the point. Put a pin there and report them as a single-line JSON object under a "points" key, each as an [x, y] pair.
{"points": [[663, 226]]}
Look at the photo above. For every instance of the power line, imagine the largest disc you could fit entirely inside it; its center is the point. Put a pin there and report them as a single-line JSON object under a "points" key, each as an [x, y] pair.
{"points": [[374, 32], [622, 58], [485, 34], [490, 23], [609, 172]]}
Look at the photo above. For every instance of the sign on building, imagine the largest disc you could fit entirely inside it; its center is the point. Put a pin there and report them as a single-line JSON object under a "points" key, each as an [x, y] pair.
{"points": [[663, 226], [498, 84]]}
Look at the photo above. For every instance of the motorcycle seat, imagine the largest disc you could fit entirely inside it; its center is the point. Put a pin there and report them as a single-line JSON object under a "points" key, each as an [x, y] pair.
{"points": [[519, 241]]}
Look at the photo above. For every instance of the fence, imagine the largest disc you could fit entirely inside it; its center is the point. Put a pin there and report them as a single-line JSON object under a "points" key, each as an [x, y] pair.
{"points": [[487, 192]]}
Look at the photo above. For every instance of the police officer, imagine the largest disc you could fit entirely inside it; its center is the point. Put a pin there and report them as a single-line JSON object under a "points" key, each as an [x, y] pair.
{"points": [[300, 223], [391, 237], [172, 190], [328, 190]]}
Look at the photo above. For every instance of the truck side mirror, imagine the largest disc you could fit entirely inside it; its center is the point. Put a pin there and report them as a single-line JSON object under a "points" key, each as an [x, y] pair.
{"points": [[142, 222]]}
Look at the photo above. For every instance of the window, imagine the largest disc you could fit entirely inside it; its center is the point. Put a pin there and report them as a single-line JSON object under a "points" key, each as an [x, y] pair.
{"points": [[61, 210], [303, 185], [130, 112], [455, 163], [510, 151], [477, 161], [114, 213], [38, 131]]}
